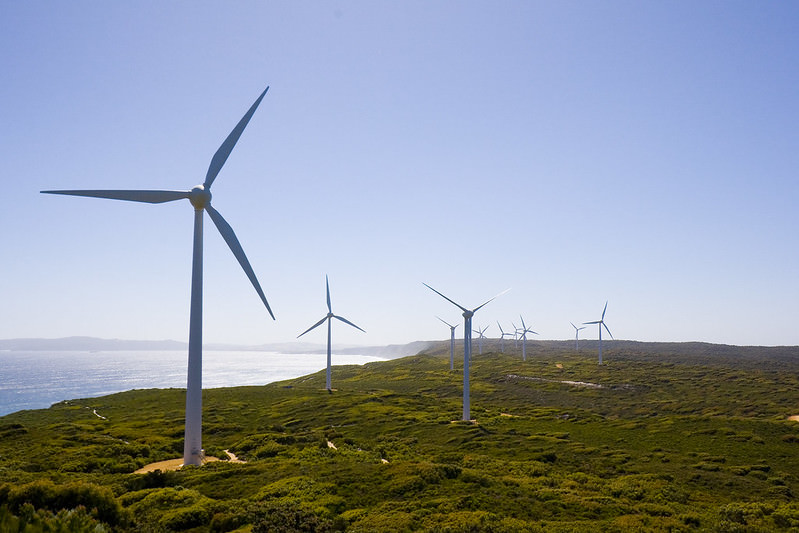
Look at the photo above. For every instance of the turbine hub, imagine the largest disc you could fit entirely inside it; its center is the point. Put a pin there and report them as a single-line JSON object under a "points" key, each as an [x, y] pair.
{"points": [[468, 314], [200, 197]]}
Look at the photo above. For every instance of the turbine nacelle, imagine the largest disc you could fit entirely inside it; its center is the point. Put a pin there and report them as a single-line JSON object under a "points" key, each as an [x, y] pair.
{"points": [[200, 197]]}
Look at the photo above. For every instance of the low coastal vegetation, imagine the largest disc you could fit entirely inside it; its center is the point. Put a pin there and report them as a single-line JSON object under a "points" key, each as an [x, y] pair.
{"points": [[661, 438]]}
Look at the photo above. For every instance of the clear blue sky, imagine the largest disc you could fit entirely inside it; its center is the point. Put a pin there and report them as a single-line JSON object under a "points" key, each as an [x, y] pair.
{"points": [[644, 153]]}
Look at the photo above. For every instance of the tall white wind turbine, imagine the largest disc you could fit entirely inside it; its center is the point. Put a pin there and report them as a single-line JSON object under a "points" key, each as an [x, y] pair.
{"points": [[523, 332], [200, 198], [467, 344], [576, 336], [328, 317], [601, 323], [480, 336], [502, 335], [451, 342]]}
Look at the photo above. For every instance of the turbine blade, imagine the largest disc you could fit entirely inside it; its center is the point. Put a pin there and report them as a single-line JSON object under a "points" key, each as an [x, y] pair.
{"points": [[494, 298], [223, 152], [312, 327], [603, 311], [594, 322], [233, 243], [348, 322], [327, 285], [531, 331], [606, 329], [500, 328], [447, 299], [572, 323], [523, 325], [149, 197], [445, 322]]}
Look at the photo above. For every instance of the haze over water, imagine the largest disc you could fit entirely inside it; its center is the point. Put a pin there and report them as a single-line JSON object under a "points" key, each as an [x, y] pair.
{"points": [[37, 379]]}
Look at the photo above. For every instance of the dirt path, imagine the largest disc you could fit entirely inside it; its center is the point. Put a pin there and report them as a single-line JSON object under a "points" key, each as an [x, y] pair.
{"points": [[794, 418], [176, 464]]}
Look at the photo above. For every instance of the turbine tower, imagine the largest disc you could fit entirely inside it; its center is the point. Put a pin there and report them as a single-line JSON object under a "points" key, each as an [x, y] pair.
{"points": [[451, 342], [480, 338], [200, 198], [328, 317], [601, 323], [502, 336], [576, 336], [467, 344], [524, 330]]}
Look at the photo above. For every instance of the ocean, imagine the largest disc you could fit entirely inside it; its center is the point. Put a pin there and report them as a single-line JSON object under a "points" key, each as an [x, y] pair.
{"points": [[38, 379]]}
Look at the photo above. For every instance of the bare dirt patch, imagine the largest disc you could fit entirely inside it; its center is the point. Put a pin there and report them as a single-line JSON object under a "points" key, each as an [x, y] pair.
{"points": [[794, 418], [177, 464]]}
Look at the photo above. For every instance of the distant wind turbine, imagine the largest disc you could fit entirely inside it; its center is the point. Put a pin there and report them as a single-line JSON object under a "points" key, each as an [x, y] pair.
{"points": [[328, 317], [200, 198], [524, 331], [451, 343], [480, 336], [601, 323], [576, 335], [502, 336], [467, 344], [515, 336]]}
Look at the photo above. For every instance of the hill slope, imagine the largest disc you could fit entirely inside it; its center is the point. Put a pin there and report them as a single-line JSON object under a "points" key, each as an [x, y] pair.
{"points": [[660, 438]]}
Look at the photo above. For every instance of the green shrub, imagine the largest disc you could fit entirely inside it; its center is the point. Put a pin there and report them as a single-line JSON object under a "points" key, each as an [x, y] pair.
{"points": [[287, 517], [44, 494], [786, 516], [34, 521], [186, 518]]}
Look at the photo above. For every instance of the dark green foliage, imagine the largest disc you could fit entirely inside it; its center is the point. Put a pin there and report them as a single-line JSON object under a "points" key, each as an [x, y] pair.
{"points": [[44, 494], [284, 517], [661, 438], [31, 520]]}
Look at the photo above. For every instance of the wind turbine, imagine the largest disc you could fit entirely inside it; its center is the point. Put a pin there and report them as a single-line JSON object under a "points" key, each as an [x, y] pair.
{"points": [[200, 198], [328, 318], [601, 323], [480, 338], [524, 330], [451, 342], [467, 344], [502, 336], [576, 335], [515, 336]]}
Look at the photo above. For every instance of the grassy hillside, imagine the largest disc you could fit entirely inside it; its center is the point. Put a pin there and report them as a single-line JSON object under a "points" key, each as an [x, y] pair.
{"points": [[671, 437]]}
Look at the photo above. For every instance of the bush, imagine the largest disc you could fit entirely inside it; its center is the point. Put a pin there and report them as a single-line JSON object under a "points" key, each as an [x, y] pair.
{"points": [[44, 494], [31, 520], [285, 517], [186, 518]]}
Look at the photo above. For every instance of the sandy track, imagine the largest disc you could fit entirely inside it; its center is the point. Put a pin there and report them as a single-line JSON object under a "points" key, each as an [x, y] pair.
{"points": [[176, 464]]}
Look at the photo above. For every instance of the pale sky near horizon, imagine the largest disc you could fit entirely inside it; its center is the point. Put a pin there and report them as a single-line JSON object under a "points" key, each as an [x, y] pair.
{"points": [[643, 153]]}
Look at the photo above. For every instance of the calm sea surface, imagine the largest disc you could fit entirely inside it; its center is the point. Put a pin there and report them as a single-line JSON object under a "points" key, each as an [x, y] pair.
{"points": [[36, 380]]}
